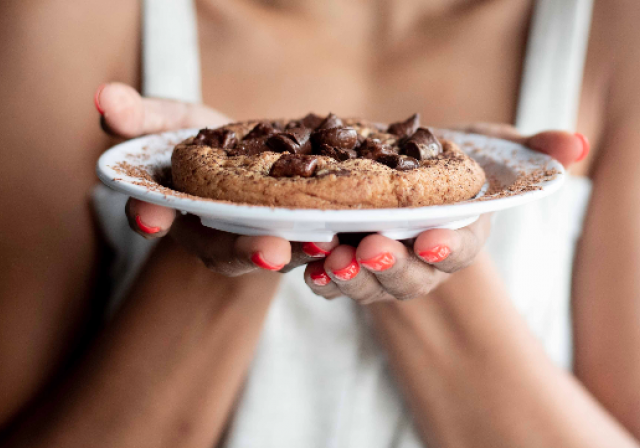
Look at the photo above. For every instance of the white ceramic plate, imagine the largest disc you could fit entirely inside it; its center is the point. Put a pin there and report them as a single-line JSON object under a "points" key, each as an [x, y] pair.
{"points": [[135, 167]]}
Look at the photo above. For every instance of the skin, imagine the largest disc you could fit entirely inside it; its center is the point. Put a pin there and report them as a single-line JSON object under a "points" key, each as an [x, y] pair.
{"points": [[181, 362]]}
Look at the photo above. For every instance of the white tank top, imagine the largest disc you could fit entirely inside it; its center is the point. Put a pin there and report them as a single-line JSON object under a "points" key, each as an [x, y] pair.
{"points": [[318, 378]]}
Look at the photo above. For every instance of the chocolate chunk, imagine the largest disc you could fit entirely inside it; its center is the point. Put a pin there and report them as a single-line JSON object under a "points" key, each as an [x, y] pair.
{"points": [[294, 140], [310, 121], [405, 128], [262, 129], [406, 163], [374, 148], [422, 145], [290, 165], [332, 121], [339, 173], [216, 138], [340, 154], [401, 163], [339, 138], [249, 147]]}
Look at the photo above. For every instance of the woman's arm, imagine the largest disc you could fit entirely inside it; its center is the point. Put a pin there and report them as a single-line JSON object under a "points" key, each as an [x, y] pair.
{"points": [[53, 55], [606, 286], [474, 376], [170, 363], [167, 369]]}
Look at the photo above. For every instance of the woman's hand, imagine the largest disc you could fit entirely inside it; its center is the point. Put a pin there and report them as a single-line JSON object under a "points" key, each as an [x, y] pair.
{"points": [[381, 269], [126, 114]]}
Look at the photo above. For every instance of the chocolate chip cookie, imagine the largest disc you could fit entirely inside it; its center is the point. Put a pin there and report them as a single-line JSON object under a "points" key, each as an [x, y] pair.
{"points": [[325, 163]]}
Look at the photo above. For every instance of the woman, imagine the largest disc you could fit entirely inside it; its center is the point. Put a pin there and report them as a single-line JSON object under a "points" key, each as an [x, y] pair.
{"points": [[168, 368]]}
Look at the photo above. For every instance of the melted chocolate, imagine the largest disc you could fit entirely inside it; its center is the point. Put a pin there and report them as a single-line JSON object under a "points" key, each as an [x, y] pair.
{"points": [[422, 145], [340, 154], [373, 148], [216, 138], [250, 147], [398, 162], [332, 121], [294, 140], [290, 165], [405, 128], [262, 129], [328, 136], [339, 138]]}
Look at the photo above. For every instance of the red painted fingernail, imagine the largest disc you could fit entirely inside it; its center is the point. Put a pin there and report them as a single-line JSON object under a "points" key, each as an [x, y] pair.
{"points": [[348, 272], [320, 278], [436, 254], [261, 263], [380, 262], [314, 251], [145, 228], [96, 98], [585, 146]]}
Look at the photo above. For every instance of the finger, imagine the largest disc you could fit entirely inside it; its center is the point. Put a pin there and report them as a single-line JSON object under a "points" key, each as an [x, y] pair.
{"points": [[228, 253], [399, 272], [319, 282], [303, 253], [565, 147], [149, 220], [358, 284], [127, 114], [451, 250]]}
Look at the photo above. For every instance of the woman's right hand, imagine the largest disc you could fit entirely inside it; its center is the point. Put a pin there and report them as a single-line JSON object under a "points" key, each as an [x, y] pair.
{"points": [[125, 114]]}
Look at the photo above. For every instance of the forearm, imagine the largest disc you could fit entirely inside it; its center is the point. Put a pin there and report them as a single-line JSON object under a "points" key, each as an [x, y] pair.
{"points": [[474, 376], [167, 369]]}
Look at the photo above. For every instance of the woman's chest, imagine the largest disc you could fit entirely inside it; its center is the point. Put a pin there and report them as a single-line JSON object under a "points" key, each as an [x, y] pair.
{"points": [[365, 61]]}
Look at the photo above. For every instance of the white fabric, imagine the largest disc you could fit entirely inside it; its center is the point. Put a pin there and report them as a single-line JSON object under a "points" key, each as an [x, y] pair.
{"points": [[556, 53], [318, 378], [171, 59]]}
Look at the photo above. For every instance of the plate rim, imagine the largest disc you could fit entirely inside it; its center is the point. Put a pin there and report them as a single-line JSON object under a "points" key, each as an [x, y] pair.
{"points": [[211, 207]]}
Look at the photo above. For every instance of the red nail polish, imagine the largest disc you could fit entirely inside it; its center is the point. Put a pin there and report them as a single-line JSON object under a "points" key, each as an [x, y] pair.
{"points": [[380, 262], [348, 272], [320, 278], [96, 98], [435, 255], [145, 228], [259, 261], [314, 251], [585, 146]]}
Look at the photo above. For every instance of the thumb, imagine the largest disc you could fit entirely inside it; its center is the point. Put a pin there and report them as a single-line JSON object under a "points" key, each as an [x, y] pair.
{"points": [[127, 114]]}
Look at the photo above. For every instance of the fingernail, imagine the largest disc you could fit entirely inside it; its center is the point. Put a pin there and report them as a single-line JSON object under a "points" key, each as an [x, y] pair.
{"points": [[257, 259], [314, 251], [380, 262], [320, 278], [436, 254], [348, 272], [145, 228], [96, 98], [585, 146]]}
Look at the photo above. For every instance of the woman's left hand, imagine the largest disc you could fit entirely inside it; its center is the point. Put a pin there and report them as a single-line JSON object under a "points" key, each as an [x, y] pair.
{"points": [[381, 269]]}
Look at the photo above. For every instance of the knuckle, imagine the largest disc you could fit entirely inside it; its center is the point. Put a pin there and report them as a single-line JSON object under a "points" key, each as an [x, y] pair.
{"points": [[374, 296]]}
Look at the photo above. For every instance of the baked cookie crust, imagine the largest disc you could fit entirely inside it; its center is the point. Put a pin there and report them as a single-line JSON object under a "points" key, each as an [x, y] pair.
{"points": [[319, 170]]}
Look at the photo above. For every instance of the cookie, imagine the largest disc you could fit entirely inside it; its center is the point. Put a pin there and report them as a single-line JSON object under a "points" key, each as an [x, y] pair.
{"points": [[325, 163]]}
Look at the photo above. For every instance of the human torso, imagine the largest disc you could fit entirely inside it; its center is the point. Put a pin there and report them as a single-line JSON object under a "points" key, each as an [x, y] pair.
{"points": [[377, 59]]}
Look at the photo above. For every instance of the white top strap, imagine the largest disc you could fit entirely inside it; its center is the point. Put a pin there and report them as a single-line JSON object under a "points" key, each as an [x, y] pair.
{"points": [[171, 59], [552, 78]]}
